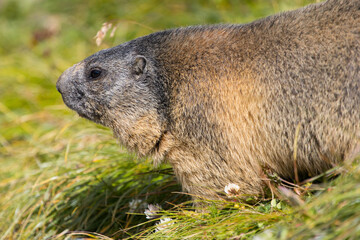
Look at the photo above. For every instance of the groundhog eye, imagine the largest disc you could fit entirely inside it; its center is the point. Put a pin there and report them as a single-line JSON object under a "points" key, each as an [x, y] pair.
{"points": [[95, 73]]}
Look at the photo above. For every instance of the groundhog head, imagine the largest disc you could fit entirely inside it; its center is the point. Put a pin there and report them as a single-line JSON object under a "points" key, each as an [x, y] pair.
{"points": [[118, 89]]}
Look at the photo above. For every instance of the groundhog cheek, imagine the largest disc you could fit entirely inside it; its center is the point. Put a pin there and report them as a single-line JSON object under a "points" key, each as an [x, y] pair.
{"points": [[146, 134], [140, 135]]}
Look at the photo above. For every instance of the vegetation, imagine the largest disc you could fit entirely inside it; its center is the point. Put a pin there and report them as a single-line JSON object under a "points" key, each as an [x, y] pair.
{"points": [[62, 177]]}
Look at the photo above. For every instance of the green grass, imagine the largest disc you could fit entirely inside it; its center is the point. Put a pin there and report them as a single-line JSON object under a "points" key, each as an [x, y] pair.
{"points": [[63, 177]]}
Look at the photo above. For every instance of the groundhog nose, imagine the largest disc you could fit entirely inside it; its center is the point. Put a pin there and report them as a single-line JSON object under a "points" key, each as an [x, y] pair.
{"points": [[58, 87], [59, 84]]}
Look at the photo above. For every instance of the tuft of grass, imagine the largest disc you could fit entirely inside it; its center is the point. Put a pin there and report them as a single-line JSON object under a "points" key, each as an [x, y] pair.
{"points": [[330, 212], [83, 191], [221, 220]]}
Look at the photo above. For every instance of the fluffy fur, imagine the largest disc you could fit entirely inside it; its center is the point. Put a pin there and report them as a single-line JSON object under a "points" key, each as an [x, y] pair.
{"points": [[223, 102]]}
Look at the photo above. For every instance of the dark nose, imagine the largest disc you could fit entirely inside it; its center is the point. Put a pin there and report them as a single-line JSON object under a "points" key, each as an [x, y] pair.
{"points": [[59, 85]]}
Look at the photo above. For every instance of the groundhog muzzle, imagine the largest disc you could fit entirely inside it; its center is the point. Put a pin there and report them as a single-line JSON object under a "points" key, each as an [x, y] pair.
{"points": [[222, 103]]}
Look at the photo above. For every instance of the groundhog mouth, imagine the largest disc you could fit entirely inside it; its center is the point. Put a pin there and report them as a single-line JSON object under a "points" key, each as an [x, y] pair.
{"points": [[83, 108], [92, 117], [89, 113], [84, 116]]}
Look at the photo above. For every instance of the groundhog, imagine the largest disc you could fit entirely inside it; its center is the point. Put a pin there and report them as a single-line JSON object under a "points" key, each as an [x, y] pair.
{"points": [[224, 103]]}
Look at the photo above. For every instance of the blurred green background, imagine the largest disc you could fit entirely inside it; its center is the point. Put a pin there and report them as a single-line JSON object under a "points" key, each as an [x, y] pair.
{"points": [[45, 148]]}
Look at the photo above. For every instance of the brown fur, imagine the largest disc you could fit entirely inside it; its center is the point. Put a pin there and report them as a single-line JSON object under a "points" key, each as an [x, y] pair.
{"points": [[221, 103]]}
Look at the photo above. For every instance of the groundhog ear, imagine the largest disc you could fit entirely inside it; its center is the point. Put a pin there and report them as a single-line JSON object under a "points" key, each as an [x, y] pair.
{"points": [[139, 65]]}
